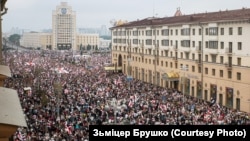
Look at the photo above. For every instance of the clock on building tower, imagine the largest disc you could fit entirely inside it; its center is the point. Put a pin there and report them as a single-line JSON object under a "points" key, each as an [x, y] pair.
{"points": [[63, 10]]}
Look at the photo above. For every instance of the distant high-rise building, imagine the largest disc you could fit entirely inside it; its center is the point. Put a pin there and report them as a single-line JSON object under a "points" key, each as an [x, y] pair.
{"points": [[102, 31], [47, 30], [63, 35], [64, 27], [15, 30]]}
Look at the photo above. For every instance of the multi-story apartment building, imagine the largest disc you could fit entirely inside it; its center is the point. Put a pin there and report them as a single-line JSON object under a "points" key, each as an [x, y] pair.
{"points": [[63, 36], [204, 55]]}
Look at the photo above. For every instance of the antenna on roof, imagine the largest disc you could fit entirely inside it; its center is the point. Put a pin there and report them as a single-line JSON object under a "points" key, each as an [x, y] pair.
{"points": [[153, 8], [112, 22]]}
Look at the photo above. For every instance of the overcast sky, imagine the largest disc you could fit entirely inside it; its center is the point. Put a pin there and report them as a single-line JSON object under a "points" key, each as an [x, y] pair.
{"points": [[37, 14]]}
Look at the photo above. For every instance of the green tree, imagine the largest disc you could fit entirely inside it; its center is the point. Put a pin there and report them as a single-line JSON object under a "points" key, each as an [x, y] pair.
{"points": [[81, 47], [88, 47], [15, 38]]}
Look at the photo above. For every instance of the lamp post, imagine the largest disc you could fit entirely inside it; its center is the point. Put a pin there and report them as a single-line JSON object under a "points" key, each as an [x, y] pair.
{"points": [[58, 88], [202, 65], [16, 46], [129, 77], [156, 57], [183, 68], [114, 105]]}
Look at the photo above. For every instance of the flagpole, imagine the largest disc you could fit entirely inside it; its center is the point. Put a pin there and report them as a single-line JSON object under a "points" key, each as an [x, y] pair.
{"points": [[183, 68]]}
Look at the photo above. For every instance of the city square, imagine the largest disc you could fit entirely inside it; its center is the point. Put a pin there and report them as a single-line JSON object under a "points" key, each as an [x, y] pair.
{"points": [[176, 70]]}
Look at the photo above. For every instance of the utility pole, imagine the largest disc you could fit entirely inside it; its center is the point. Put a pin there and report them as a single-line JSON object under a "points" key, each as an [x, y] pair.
{"points": [[202, 71], [129, 58], [156, 55]]}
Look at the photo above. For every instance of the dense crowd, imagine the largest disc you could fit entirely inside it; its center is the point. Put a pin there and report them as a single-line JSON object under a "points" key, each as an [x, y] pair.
{"points": [[65, 96]]}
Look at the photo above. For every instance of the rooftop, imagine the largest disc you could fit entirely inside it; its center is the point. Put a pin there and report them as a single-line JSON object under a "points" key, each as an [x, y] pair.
{"points": [[178, 18], [10, 107]]}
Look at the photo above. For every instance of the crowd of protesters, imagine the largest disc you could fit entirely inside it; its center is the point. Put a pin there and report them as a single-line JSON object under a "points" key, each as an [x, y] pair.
{"points": [[65, 96]]}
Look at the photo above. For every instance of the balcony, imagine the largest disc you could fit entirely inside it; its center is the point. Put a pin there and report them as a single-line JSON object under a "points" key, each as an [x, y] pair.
{"points": [[141, 54], [141, 44], [165, 48], [175, 47], [185, 37], [198, 49], [186, 49], [174, 59], [212, 51], [229, 51], [228, 66], [198, 61]]}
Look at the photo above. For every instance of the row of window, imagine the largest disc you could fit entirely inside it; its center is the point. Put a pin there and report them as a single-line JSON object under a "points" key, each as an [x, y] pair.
{"points": [[183, 55], [213, 72], [184, 43], [184, 32], [213, 59], [175, 65], [215, 31], [221, 73]]}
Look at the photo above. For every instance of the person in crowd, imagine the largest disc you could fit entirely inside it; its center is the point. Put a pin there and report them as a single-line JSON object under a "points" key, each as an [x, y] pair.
{"points": [[67, 96]]}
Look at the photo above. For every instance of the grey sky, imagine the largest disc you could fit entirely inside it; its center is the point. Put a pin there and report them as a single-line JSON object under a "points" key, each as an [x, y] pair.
{"points": [[37, 14]]}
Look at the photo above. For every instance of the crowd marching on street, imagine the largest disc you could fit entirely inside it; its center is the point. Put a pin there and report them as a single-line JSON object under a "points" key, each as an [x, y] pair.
{"points": [[61, 97]]}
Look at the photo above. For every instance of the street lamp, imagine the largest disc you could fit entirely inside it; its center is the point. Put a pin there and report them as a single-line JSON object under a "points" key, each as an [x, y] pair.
{"points": [[202, 65], [114, 105], [184, 69], [129, 77]]}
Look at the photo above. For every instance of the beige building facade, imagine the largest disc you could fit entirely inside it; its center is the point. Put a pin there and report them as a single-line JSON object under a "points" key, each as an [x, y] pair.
{"points": [[203, 55], [64, 27], [36, 40], [104, 43], [46, 40], [85, 41]]}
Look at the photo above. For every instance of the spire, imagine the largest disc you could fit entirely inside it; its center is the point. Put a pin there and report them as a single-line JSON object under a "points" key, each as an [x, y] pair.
{"points": [[178, 12]]}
